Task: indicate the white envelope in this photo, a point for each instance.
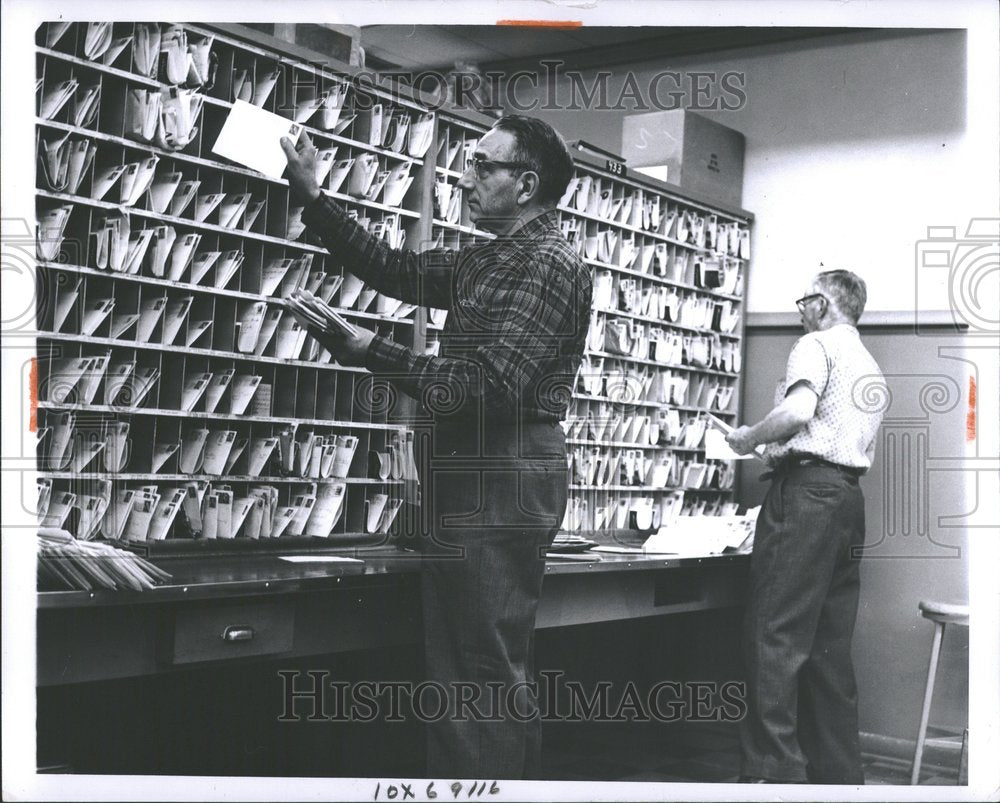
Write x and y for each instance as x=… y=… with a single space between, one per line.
x=136 y=179
x=142 y=113
x=117 y=515
x=362 y=174
x=92 y=509
x=205 y=204
x=192 y=453
x=232 y=209
x=327 y=510
x=243 y=389
x=218 y=445
x=55 y=97
x=331 y=107
x=94 y=314
x=150 y=311
x=251 y=137
x=228 y=264
x=161 y=453
x=346 y=446
x=181 y=255
x=251 y=318
x=421 y=130
x=260 y=452
x=374 y=507
x=195 y=330
x=51 y=230
x=146 y=49
x=325 y=158
x=253 y=212
x=263 y=85
x=185 y=193
x=194 y=389
x=395 y=131
x=162 y=191
x=339 y=172
x=138 y=245
x=54 y=31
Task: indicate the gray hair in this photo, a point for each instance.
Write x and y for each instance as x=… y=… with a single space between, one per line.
x=846 y=291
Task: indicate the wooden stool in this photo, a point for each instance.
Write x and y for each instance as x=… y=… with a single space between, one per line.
x=941 y=613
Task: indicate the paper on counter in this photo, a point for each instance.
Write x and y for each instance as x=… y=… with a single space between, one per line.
x=318 y=559
x=251 y=137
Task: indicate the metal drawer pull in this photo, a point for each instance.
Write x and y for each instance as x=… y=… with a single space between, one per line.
x=238 y=633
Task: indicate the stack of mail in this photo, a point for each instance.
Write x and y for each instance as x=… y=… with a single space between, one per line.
x=312 y=311
x=179 y=112
x=67 y=563
x=189 y=63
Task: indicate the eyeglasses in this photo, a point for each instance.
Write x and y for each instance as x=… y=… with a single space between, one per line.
x=801 y=303
x=477 y=164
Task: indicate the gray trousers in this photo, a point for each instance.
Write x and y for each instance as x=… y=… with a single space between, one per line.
x=498 y=498
x=802 y=722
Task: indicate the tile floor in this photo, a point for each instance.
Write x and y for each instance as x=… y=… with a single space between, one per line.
x=655 y=752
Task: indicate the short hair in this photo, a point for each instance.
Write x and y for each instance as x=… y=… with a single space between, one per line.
x=539 y=146
x=846 y=291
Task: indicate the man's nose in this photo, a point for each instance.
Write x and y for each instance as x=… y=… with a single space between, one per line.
x=466 y=182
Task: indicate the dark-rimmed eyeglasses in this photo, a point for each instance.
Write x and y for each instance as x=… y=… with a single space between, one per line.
x=801 y=303
x=477 y=164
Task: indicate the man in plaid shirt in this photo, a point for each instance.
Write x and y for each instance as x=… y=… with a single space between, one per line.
x=518 y=312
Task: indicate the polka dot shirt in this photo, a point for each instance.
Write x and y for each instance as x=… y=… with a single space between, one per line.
x=839 y=369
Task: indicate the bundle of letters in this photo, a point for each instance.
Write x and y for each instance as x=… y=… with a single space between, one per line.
x=64 y=562
x=312 y=311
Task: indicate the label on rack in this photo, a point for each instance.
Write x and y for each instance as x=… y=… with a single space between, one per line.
x=616 y=168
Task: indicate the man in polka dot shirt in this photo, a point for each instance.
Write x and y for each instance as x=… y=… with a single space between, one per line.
x=802 y=722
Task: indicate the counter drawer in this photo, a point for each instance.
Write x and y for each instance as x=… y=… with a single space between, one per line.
x=232 y=631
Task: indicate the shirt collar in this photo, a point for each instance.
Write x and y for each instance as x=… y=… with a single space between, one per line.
x=533 y=228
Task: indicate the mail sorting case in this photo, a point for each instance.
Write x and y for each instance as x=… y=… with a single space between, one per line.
x=663 y=349
x=178 y=266
x=177 y=395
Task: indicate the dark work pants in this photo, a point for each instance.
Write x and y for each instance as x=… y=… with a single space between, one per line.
x=802 y=723
x=498 y=499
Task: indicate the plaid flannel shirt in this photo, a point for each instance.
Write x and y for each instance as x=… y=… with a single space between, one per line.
x=519 y=310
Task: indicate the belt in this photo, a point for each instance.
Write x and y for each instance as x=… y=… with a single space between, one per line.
x=807 y=460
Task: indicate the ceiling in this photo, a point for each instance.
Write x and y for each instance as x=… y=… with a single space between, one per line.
x=437 y=47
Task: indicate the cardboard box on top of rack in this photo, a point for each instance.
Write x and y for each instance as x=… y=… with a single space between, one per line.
x=687 y=149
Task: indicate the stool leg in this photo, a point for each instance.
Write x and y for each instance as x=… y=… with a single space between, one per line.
x=932 y=667
x=963 y=762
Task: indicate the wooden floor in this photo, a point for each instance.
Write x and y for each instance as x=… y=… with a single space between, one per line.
x=654 y=752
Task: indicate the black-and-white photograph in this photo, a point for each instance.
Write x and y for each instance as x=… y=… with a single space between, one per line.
x=501 y=400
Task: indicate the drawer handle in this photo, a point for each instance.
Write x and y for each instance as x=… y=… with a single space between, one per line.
x=238 y=633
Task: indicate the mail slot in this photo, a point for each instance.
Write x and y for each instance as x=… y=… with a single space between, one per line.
x=232 y=631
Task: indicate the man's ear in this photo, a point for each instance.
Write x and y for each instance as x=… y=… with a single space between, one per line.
x=528 y=186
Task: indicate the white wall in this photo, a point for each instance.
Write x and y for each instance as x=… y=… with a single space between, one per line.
x=855 y=144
